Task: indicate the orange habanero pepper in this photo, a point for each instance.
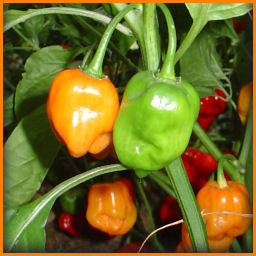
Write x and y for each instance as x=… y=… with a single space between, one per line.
x=111 y=208
x=82 y=111
x=244 y=102
x=232 y=199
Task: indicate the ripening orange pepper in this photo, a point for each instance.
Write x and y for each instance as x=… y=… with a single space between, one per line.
x=233 y=199
x=111 y=208
x=82 y=111
x=244 y=102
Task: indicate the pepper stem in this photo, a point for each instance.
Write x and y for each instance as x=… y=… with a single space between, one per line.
x=168 y=68
x=95 y=66
x=221 y=180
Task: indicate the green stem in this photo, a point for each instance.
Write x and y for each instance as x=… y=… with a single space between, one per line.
x=147 y=205
x=188 y=205
x=247 y=141
x=95 y=66
x=31 y=43
x=195 y=29
x=168 y=68
x=62 y=10
x=163 y=182
x=111 y=44
x=236 y=246
x=231 y=170
x=86 y=57
x=221 y=180
x=151 y=36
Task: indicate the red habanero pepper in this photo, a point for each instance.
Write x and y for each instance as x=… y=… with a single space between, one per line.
x=65 y=46
x=239 y=26
x=210 y=107
x=170 y=210
x=73 y=224
x=199 y=166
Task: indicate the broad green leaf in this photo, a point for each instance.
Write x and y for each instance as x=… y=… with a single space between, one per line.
x=40 y=69
x=8 y=115
x=201 y=65
x=28 y=153
x=219 y=11
x=24 y=226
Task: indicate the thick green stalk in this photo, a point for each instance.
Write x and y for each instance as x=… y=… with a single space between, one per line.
x=147 y=205
x=247 y=142
x=168 y=68
x=231 y=170
x=95 y=66
x=195 y=29
x=246 y=159
x=188 y=205
x=151 y=36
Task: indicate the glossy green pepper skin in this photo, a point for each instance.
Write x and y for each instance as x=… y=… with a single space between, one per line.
x=155 y=121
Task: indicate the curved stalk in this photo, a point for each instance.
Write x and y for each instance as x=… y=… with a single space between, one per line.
x=95 y=66
x=168 y=68
x=60 y=10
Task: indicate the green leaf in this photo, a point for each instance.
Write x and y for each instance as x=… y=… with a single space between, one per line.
x=28 y=154
x=188 y=205
x=40 y=69
x=8 y=115
x=219 y=11
x=34 y=25
x=201 y=65
x=24 y=226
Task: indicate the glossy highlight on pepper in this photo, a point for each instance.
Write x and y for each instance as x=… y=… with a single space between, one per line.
x=82 y=111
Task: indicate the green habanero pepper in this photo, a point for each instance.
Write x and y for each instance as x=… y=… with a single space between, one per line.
x=155 y=121
x=73 y=200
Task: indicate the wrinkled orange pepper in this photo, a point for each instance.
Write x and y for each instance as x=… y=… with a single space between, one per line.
x=82 y=111
x=233 y=199
x=111 y=208
x=109 y=150
x=244 y=102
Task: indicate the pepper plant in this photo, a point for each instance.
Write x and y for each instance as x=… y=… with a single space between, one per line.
x=114 y=91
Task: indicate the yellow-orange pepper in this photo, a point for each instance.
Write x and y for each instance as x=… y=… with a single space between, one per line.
x=226 y=212
x=111 y=208
x=244 y=102
x=82 y=111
